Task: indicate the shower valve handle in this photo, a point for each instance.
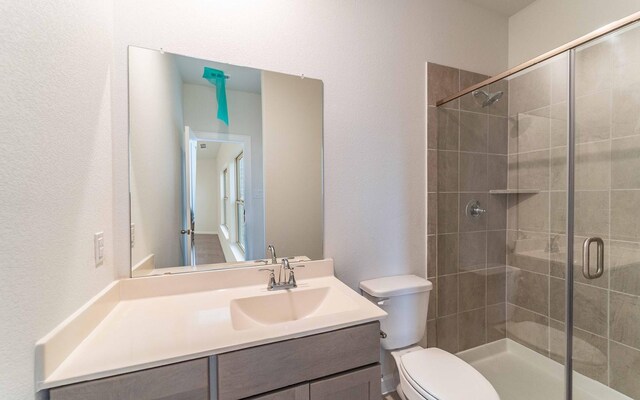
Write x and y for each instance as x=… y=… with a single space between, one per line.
x=474 y=210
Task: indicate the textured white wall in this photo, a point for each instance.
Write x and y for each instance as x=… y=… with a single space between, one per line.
x=371 y=57
x=157 y=134
x=547 y=24
x=55 y=172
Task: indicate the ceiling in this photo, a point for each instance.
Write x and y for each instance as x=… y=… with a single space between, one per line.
x=211 y=150
x=243 y=79
x=504 y=7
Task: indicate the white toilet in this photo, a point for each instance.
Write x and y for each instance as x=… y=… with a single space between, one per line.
x=431 y=374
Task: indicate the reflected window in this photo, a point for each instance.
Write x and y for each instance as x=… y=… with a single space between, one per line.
x=225 y=196
x=240 y=212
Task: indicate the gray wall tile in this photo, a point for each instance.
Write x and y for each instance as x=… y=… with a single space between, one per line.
x=497 y=212
x=432 y=256
x=447 y=171
x=496 y=285
x=473 y=172
x=530 y=90
x=447 y=329
x=625 y=370
x=442 y=81
x=447 y=254
x=473 y=290
x=472 y=327
x=447 y=212
x=625 y=221
x=528 y=290
x=625 y=163
x=497 y=139
x=496 y=322
x=496 y=248
x=474 y=128
x=472 y=251
x=593 y=116
x=447 y=295
x=625 y=319
x=528 y=328
x=625 y=267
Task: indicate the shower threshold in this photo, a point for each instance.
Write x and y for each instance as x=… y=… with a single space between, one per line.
x=519 y=373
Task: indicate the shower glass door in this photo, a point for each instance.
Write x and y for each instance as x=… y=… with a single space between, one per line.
x=534 y=205
x=606 y=228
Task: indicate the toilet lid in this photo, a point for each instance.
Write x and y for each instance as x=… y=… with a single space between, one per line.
x=445 y=377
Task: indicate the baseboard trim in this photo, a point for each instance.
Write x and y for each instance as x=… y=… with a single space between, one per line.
x=389 y=383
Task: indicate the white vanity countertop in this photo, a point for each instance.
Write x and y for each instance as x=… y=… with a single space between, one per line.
x=136 y=323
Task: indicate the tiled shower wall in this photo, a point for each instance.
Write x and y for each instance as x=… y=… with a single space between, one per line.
x=470 y=150
x=607 y=197
x=466 y=157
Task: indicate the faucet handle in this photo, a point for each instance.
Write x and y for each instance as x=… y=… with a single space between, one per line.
x=292 y=277
x=272 y=277
x=270 y=270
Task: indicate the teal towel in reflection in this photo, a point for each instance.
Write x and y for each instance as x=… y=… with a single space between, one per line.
x=217 y=78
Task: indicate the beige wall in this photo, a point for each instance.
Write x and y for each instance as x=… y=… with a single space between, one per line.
x=292 y=113
x=547 y=24
x=155 y=94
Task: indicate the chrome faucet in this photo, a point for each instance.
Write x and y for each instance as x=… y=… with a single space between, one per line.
x=289 y=283
x=271 y=249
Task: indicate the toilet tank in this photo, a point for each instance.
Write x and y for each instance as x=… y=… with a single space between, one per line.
x=406 y=299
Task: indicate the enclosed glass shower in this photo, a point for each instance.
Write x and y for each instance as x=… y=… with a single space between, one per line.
x=520 y=170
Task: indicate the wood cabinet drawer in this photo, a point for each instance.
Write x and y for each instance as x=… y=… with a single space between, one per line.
x=183 y=381
x=261 y=369
x=361 y=384
x=300 y=392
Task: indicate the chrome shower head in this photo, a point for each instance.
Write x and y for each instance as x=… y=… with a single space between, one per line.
x=489 y=98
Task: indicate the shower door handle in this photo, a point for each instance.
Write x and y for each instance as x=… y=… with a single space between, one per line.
x=586 y=249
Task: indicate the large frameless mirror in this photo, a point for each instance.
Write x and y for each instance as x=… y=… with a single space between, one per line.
x=224 y=160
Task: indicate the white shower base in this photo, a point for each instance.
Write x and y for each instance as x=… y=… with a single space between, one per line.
x=519 y=373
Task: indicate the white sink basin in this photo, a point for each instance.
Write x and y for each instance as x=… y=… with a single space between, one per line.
x=287 y=306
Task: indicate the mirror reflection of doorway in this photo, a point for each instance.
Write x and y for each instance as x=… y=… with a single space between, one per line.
x=220 y=185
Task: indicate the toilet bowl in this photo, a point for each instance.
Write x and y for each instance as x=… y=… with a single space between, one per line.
x=434 y=374
x=425 y=374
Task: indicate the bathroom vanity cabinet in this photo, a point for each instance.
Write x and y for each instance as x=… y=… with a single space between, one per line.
x=340 y=364
x=361 y=384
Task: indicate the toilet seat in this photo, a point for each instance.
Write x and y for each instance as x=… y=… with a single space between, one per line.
x=438 y=375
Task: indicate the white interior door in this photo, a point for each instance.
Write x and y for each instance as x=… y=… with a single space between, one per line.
x=188 y=200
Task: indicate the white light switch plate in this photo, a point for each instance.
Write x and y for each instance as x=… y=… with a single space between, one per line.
x=98 y=247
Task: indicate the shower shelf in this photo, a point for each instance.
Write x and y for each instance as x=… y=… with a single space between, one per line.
x=514 y=191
